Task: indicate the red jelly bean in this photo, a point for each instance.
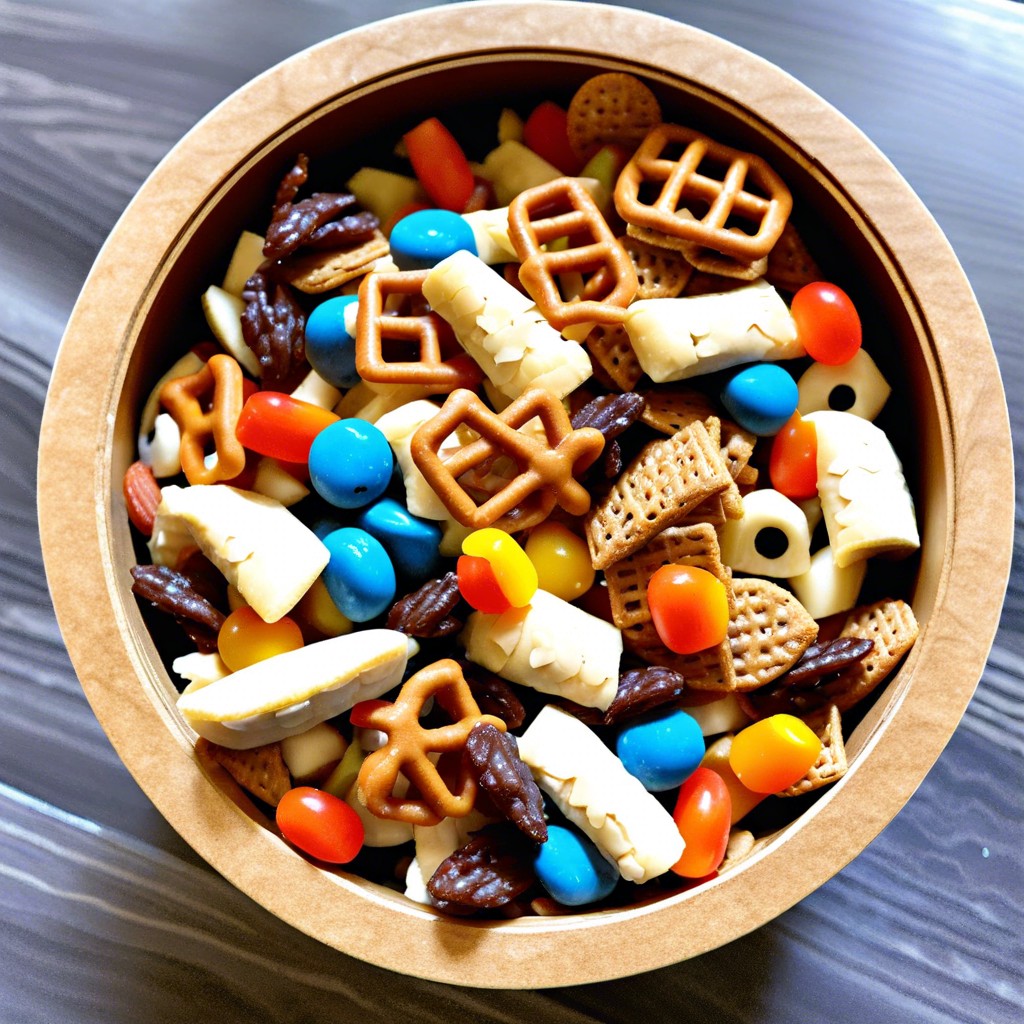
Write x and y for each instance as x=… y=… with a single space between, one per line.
x=320 y=824
x=689 y=608
x=479 y=585
x=793 y=464
x=827 y=323
x=703 y=815
x=281 y=426
x=440 y=165
x=546 y=134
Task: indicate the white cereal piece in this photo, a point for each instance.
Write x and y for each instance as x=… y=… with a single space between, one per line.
x=767 y=509
x=860 y=374
x=825 y=589
x=315 y=390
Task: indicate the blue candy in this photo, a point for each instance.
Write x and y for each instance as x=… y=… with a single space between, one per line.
x=661 y=749
x=424 y=238
x=569 y=866
x=359 y=576
x=350 y=463
x=761 y=398
x=411 y=542
x=330 y=349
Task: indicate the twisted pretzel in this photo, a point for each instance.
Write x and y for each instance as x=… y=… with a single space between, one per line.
x=409 y=745
x=546 y=466
x=559 y=209
x=206 y=406
x=374 y=326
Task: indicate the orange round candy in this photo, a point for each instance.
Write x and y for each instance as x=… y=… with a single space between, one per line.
x=245 y=638
x=773 y=753
x=689 y=608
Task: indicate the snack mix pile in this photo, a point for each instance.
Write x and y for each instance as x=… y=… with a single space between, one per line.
x=490 y=594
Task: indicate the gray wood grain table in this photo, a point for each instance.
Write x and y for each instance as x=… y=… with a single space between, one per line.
x=106 y=915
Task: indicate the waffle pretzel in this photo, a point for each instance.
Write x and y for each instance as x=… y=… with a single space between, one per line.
x=547 y=466
x=694 y=208
x=374 y=327
x=409 y=746
x=563 y=208
x=206 y=406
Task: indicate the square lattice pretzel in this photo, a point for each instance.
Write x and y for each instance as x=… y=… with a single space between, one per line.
x=692 y=207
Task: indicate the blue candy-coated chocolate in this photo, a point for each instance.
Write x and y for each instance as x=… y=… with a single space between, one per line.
x=661 y=749
x=410 y=541
x=761 y=398
x=424 y=238
x=359 y=576
x=572 y=870
x=330 y=349
x=350 y=463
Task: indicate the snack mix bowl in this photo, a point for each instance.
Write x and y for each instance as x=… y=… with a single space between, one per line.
x=355 y=95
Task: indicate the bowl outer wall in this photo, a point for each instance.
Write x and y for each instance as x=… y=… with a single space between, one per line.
x=92 y=597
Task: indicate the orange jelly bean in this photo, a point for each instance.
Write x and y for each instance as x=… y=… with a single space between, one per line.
x=280 y=426
x=703 y=815
x=513 y=570
x=793 y=464
x=245 y=638
x=773 y=753
x=689 y=608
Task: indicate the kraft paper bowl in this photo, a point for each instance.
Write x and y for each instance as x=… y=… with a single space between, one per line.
x=175 y=238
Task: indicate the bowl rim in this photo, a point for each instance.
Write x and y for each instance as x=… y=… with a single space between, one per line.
x=74 y=485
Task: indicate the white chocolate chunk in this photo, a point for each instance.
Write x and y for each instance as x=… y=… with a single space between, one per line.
x=245 y=261
x=762 y=510
x=825 y=589
x=200 y=669
x=315 y=390
x=502 y=329
x=718 y=716
x=378 y=832
x=684 y=337
x=273 y=481
x=364 y=402
x=398 y=426
x=308 y=754
x=512 y=168
x=864 y=495
x=291 y=692
x=188 y=364
x=595 y=792
x=163 y=452
x=490 y=232
x=224 y=317
x=258 y=545
x=551 y=646
x=170 y=537
x=870 y=389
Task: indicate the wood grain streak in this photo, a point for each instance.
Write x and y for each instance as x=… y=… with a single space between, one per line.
x=105 y=914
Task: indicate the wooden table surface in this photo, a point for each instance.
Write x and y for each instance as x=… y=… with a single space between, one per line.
x=107 y=916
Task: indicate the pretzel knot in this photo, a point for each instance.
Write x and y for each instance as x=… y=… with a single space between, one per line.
x=409 y=745
x=702 y=197
x=564 y=209
x=546 y=467
x=374 y=327
x=206 y=406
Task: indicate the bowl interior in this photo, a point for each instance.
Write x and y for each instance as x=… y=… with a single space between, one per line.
x=342 y=129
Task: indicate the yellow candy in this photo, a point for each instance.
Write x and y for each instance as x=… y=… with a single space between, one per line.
x=774 y=753
x=245 y=638
x=716 y=757
x=561 y=559
x=512 y=569
x=317 y=610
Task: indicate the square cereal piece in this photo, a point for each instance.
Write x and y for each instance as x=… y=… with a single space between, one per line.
x=317 y=272
x=662 y=273
x=611 y=350
x=790 y=265
x=768 y=632
x=663 y=483
x=258 y=770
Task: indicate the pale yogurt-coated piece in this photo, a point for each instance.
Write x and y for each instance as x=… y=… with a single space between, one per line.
x=767 y=509
x=595 y=792
x=551 y=646
x=256 y=543
x=825 y=589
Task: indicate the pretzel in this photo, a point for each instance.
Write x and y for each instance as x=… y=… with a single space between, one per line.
x=373 y=327
x=563 y=208
x=694 y=209
x=409 y=746
x=206 y=406
x=546 y=466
